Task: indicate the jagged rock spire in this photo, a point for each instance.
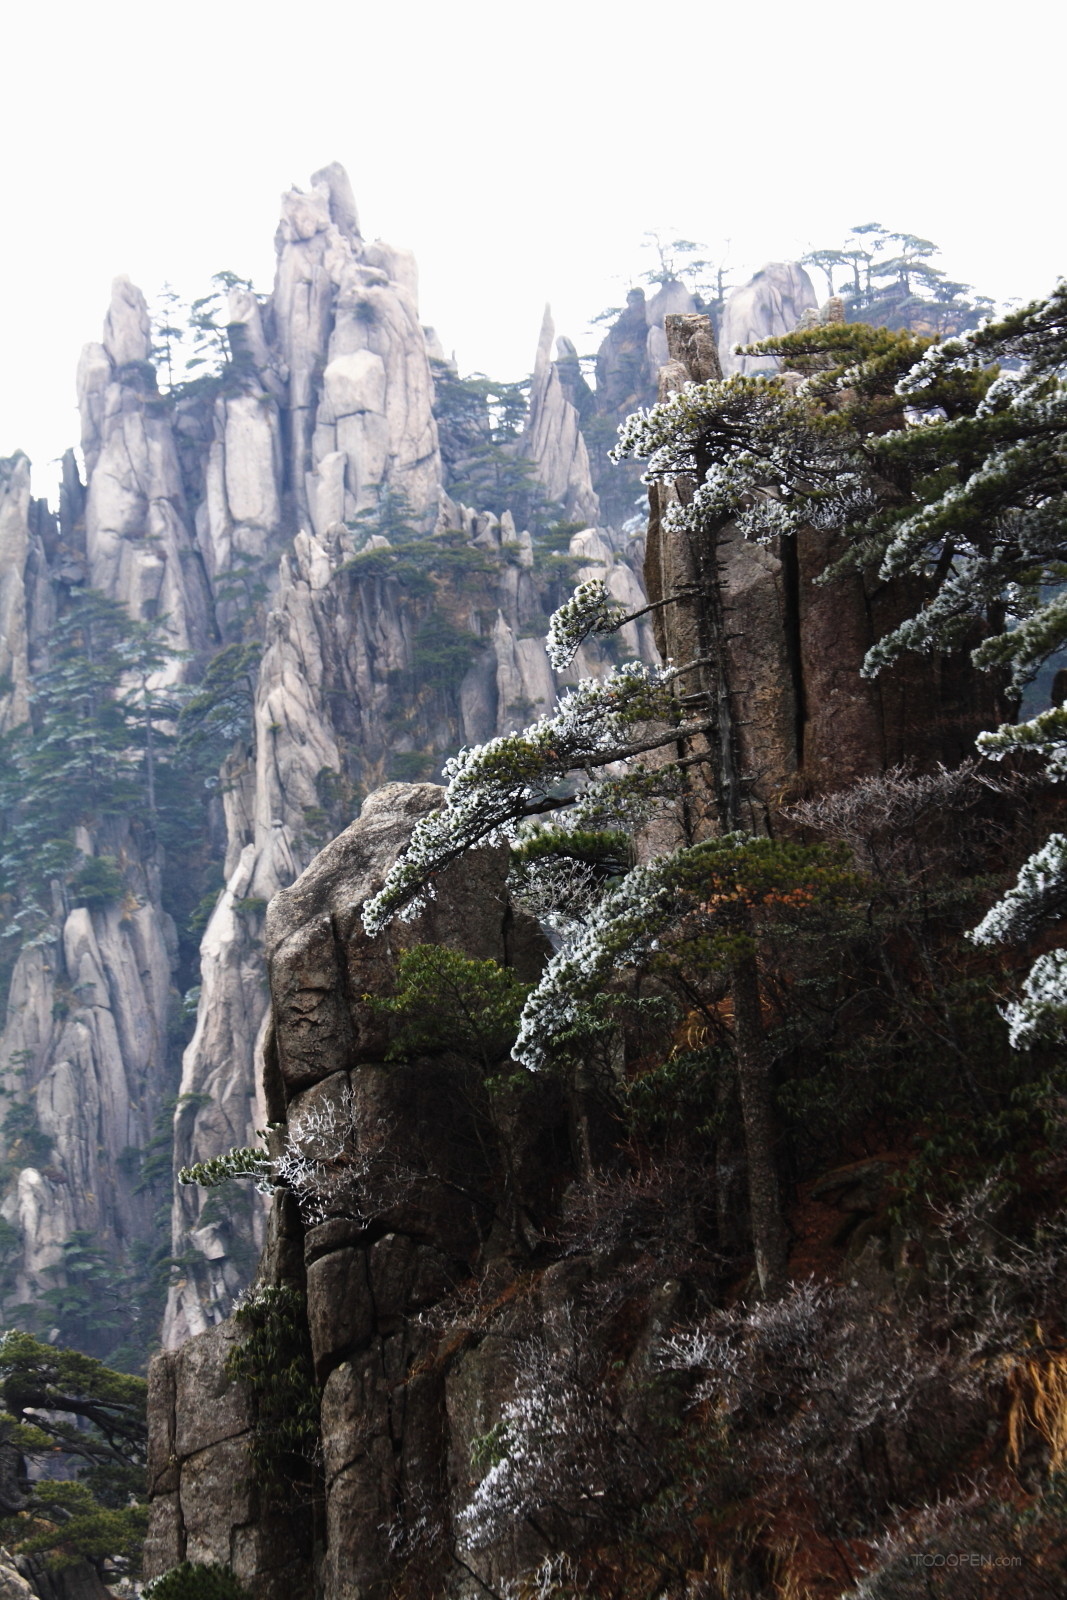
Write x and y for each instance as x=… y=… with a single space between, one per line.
x=553 y=438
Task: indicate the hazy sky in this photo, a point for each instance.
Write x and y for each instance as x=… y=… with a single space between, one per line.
x=522 y=151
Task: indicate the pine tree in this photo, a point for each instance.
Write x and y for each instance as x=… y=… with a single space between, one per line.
x=91 y=748
x=929 y=460
x=890 y=280
x=62 y=1402
x=480 y=424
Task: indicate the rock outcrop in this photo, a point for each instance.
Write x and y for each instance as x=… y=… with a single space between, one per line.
x=14 y=563
x=265 y=503
x=327 y=728
x=773 y=302
x=83 y=1053
x=787 y=668
x=449 y=1297
x=423 y=1202
x=139 y=539
x=13 y=1586
x=553 y=439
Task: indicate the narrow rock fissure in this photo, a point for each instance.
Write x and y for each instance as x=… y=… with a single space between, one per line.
x=789 y=558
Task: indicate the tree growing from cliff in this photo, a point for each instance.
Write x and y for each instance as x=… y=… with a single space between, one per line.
x=991 y=531
x=66 y=1405
x=219 y=711
x=889 y=280
x=923 y=463
x=494 y=788
x=169 y=324
x=448 y=1001
x=92 y=746
x=930 y=462
x=192 y=341
x=682 y=261
x=480 y=423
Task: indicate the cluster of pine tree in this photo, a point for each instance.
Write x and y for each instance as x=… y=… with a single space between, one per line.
x=859 y=1016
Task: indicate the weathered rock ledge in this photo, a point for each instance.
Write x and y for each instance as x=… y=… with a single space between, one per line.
x=439 y=1205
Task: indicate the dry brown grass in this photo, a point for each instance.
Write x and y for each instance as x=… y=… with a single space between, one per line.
x=1037 y=1389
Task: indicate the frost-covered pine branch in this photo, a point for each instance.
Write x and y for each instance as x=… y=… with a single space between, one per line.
x=560 y=893
x=704 y=891
x=767 y=459
x=336 y=1162
x=492 y=787
x=590 y=609
x=237 y=1162
x=622 y=926
x=329 y=1158
x=1044 y=735
x=1038 y=896
x=994 y=539
x=1041 y=1011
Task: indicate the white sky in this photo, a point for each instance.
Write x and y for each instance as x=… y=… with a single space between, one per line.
x=522 y=151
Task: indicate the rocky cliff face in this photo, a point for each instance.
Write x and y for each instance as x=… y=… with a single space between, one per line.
x=773 y=302
x=85 y=1044
x=553 y=438
x=437 y=1183
x=294 y=500
x=787 y=650
x=470 y=1313
x=633 y=352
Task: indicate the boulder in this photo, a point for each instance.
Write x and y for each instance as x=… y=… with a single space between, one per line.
x=772 y=302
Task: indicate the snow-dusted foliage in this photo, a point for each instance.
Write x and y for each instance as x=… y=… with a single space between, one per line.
x=1039 y=895
x=756 y=442
x=946 y=622
x=998 y=536
x=534 y=1438
x=1044 y=735
x=973 y=501
x=629 y=801
x=563 y=890
x=702 y=897
x=1030 y=644
x=590 y=609
x=818 y=1384
x=336 y=1163
x=562 y=1454
x=561 y=893
x=557 y=1577
x=332 y=1160
x=995 y=532
x=1041 y=1012
x=622 y=927
x=492 y=787
x=912 y=831
x=237 y=1162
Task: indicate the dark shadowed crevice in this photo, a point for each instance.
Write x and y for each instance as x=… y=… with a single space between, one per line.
x=794 y=655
